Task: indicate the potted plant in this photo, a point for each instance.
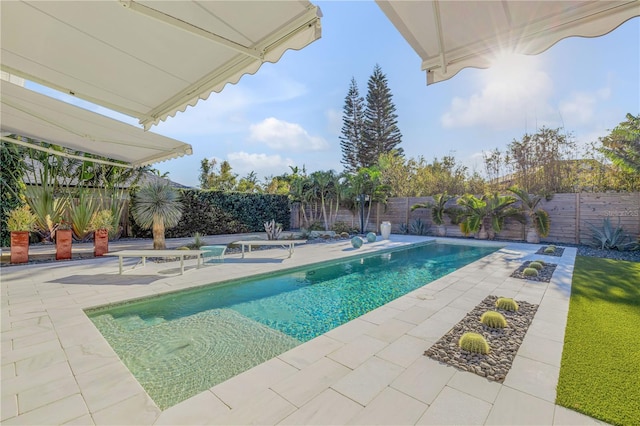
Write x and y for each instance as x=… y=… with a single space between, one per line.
x=537 y=221
x=438 y=210
x=64 y=236
x=20 y=222
x=101 y=223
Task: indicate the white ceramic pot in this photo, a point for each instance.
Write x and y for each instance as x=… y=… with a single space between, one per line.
x=385 y=230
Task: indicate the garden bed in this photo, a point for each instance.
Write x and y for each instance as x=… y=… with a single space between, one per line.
x=503 y=343
x=544 y=275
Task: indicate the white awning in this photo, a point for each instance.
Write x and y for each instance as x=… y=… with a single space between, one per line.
x=452 y=35
x=40 y=117
x=149 y=59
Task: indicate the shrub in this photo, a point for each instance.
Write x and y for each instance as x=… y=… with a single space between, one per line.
x=340 y=227
x=493 y=319
x=507 y=304
x=344 y=235
x=536 y=265
x=608 y=237
x=21 y=219
x=474 y=342
x=530 y=272
x=102 y=219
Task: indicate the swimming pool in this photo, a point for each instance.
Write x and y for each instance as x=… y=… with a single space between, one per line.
x=180 y=344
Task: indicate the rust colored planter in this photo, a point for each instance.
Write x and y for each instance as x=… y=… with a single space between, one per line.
x=63 y=244
x=19 y=246
x=100 y=242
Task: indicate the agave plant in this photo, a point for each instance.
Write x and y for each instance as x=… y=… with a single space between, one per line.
x=537 y=219
x=81 y=211
x=155 y=207
x=609 y=237
x=49 y=210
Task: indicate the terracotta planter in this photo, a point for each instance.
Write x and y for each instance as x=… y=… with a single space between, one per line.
x=100 y=242
x=19 y=246
x=63 y=244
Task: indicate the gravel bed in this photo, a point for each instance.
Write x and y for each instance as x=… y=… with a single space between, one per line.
x=503 y=343
x=557 y=253
x=544 y=275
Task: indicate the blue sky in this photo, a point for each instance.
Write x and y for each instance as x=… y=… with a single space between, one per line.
x=290 y=113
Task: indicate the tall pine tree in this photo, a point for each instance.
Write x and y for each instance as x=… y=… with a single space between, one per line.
x=380 y=132
x=352 y=127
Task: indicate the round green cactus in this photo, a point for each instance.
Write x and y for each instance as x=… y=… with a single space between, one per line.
x=507 y=304
x=493 y=319
x=536 y=265
x=550 y=249
x=530 y=272
x=474 y=342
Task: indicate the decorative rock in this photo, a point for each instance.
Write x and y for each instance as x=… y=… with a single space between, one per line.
x=356 y=242
x=371 y=237
x=504 y=343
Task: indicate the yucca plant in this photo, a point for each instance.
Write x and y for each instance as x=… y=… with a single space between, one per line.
x=537 y=218
x=81 y=210
x=156 y=206
x=48 y=209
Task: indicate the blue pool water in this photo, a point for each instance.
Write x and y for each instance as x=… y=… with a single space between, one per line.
x=183 y=343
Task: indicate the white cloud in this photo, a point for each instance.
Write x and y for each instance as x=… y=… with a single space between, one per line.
x=282 y=135
x=513 y=91
x=581 y=107
x=334 y=121
x=263 y=164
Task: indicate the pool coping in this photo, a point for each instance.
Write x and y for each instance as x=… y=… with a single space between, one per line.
x=57 y=368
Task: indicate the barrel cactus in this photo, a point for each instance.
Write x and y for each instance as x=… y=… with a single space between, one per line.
x=530 y=272
x=493 y=319
x=474 y=342
x=507 y=304
x=550 y=249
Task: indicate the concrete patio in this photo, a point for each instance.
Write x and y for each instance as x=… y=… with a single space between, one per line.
x=58 y=369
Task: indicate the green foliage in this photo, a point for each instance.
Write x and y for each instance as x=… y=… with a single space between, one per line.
x=418 y=227
x=474 y=342
x=487 y=213
x=217 y=180
x=80 y=211
x=21 y=219
x=608 y=237
x=438 y=208
x=507 y=304
x=352 y=129
x=101 y=219
x=600 y=359
x=493 y=319
x=12 y=187
x=48 y=208
x=157 y=206
x=530 y=272
x=622 y=146
x=197 y=241
x=536 y=265
x=340 y=227
x=537 y=217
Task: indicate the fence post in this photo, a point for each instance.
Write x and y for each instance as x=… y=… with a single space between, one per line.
x=577 y=218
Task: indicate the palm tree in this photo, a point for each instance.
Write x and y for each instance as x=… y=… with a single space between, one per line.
x=156 y=206
x=486 y=215
x=538 y=222
x=438 y=210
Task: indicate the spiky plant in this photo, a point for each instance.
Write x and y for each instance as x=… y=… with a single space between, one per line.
x=474 y=342
x=157 y=206
x=530 y=272
x=538 y=218
x=493 y=319
x=507 y=304
x=550 y=249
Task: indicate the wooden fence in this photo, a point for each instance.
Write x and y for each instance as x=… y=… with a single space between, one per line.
x=570 y=214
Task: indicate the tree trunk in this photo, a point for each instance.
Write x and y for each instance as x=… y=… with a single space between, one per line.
x=158 y=234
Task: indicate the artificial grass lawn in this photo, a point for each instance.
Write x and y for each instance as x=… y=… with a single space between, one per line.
x=600 y=370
